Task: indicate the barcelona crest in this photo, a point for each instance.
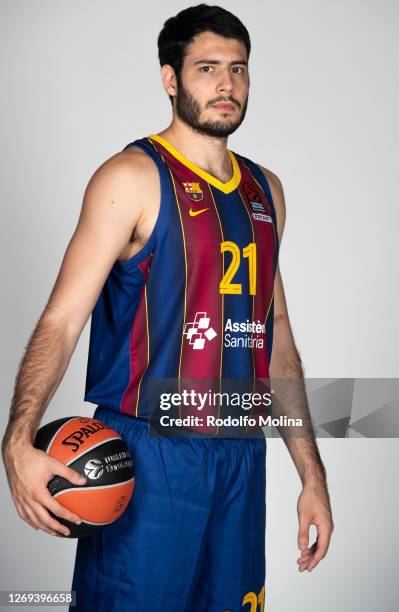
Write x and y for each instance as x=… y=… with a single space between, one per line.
x=193 y=190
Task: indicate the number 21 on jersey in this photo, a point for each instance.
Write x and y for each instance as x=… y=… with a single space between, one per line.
x=249 y=252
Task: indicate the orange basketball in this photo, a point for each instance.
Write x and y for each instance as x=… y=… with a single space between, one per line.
x=99 y=453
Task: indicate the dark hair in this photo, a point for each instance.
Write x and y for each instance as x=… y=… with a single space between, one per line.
x=179 y=31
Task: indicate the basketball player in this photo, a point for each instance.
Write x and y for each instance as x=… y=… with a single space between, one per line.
x=177 y=236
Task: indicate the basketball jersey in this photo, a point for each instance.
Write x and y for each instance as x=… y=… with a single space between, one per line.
x=197 y=300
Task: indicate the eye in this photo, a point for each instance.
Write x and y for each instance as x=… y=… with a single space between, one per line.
x=203 y=67
x=238 y=68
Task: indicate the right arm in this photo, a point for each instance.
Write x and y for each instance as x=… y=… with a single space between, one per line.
x=290 y=399
x=110 y=212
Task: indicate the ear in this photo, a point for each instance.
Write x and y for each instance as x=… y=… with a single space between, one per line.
x=169 y=79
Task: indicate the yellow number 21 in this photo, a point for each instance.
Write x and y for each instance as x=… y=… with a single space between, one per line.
x=254 y=600
x=226 y=286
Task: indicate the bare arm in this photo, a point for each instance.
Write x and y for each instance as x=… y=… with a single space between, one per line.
x=286 y=374
x=111 y=210
x=106 y=223
x=286 y=365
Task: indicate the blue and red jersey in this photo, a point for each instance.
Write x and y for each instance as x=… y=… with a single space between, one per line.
x=197 y=300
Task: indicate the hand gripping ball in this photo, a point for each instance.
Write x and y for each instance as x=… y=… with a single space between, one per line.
x=97 y=451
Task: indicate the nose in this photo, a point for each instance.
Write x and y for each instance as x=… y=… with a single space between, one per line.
x=226 y=82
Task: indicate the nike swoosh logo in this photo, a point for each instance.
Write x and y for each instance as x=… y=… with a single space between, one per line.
x=194 y=213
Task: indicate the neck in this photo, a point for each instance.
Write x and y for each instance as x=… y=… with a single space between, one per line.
x=206 y=152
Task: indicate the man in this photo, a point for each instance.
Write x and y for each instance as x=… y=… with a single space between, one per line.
x=178 y=236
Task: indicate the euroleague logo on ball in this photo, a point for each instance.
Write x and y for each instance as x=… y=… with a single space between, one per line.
x=94 y=469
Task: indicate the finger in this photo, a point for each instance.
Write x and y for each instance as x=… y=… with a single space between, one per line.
x=304 y=557
x=52 y=504
x=25 y=516
x=36 y=523
x=31 y=519
x=303 y=532
x=46 y=522
x=323 y=538
x=304 y=567
x=304 y=560
x=304 y=563
x=59 y=469
x=309 y=551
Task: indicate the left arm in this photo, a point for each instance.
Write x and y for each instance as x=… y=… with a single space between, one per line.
x=313 y=504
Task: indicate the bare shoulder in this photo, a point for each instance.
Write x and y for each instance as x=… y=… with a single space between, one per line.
x=277 y=191
x=134 y=157
x=124 y=187
x=130 y=167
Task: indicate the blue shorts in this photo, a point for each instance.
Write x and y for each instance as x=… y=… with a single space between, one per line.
x=193 y=535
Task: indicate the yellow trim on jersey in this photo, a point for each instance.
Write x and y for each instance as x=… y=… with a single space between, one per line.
x=274 y=233
x=222 y=311
x=225 y=187
x=185 y=284
x=253 y=311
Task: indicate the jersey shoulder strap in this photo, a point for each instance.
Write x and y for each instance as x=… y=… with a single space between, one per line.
x=166 y=195
x=261 y=179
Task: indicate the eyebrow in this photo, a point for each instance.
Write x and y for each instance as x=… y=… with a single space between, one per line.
x=209 y=61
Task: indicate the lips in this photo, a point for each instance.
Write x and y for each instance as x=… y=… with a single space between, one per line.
x=224 y=106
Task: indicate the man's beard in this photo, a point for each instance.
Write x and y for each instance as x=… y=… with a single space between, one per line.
x=189 y=111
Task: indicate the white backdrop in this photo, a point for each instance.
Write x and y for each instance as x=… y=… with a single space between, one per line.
x=79 y=80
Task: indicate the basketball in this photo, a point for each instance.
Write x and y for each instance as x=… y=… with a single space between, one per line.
x=99 y=453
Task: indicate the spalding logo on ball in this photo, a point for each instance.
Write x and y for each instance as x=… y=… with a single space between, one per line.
x=97 y=451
